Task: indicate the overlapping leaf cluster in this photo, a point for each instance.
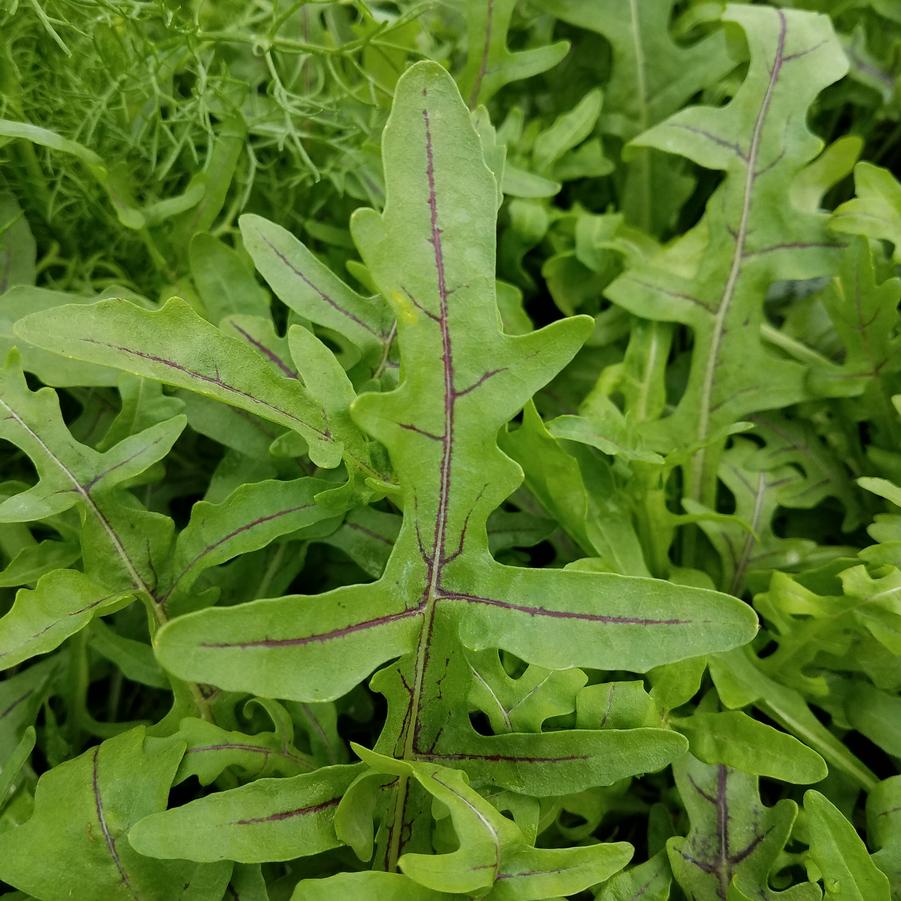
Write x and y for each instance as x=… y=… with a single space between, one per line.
x=498 y=542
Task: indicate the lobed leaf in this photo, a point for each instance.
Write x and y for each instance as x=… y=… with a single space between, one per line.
x=83 y=811
x=269 y=819
x=750 y=236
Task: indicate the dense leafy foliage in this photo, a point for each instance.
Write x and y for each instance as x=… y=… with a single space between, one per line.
x=450 y=450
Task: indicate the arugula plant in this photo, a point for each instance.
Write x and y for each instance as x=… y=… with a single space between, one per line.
x=335 y=577
x=441 y=591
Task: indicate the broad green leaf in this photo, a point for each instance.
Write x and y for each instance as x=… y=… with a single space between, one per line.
x=489 y=64
x=742 y=743
x=865 y=315
x=432 y=255
x=824 y=627
x=248 y=519
x=123 y=545
x=134 y=658
x=70 y=473
x=607 y=430
x=649 y=881
x=50 y=368
x=527 y=185
x=83 y=811
x=21 y=697
x=142 y=404
x=567 y=132
x=248 y=883
x=367 y=536
x=677 y=683
x=882 y=487
x=32 y=562
x=747 y=544
x=62 y=603
x=796 y=442
x=309 y=288
x=370 y=884
x=591 y=514
x=876 y=210
x=269 y=819
x=733 y=835
x=841 y=857
x=324 y=376
x=740 y=682
x=830 y=167
x=212 y=749
x=228 y=143
x=616 y=705
x=750 y=236
x=175 y=346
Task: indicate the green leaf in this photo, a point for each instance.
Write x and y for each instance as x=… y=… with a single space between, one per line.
x=62 y=603
x=212 y=749
x=865 y=316
x=567 y=131
x=841 y=857
x=616 y=705
x=71 y=473
x=520 y=704
x=747 y=543
x=563 y=483
x=876 y=714
x=649 y=881
x=12 y=765
x=83 y=811
x=269 y=819
x=489 y=64
x=134 y=658
x=21 y=697
x=732 y=836
x=251 y=517
x=370 y=884
x=740 y=682
x=749 y=236
x=175 y=346
x=742 y=743
x=492 y=851
x=307 y=286
x=876 y=210
x=50 y=368
x=432 y=255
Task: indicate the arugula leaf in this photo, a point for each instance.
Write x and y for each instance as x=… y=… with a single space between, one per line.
x=733 y=839
x=876 y=210
x=748 y=237
x=269 y=819
x=840 y=855
x=84 y=809
x=489 y=64
x=440 y=579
